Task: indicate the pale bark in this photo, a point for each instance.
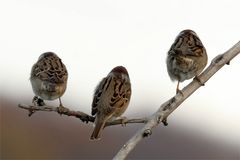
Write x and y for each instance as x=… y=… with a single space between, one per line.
x=168 y=107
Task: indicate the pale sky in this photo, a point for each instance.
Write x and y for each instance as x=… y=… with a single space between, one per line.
x=92 y=37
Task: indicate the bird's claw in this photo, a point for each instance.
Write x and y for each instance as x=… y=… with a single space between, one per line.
x=62 y=110
x=164 y=121
x=178 y=91
x=123 y=121
x=38 y=101
x=196 y=78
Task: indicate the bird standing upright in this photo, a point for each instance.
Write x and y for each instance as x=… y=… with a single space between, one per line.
x=48 y=78
x=111 y=98
x=186 y=58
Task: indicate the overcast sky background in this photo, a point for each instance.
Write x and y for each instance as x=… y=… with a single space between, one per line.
x=92 y=37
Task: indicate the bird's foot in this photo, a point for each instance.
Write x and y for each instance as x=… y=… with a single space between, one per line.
x=38 y=101
x=123 y=121
x=164 y=121
x=196 y=78
x=178 y=91
x=61 y=110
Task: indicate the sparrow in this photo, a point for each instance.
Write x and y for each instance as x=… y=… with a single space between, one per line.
x=186 y=58
x=48 y=78
x=111 y=98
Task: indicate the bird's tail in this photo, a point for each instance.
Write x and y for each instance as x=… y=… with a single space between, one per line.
x=99 y=125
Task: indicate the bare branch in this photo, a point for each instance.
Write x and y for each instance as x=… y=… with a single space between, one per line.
x=125 y=121
x=168 y=107
x=78 y=114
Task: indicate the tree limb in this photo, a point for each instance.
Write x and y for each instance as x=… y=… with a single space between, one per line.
x=78 y=114
x=168 y=107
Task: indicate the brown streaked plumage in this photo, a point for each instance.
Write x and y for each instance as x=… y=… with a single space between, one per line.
x=48 y=78
x=111 y=98
x=186 y=58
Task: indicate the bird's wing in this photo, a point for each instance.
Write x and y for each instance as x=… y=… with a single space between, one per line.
x=97 y=94
x=121 y=94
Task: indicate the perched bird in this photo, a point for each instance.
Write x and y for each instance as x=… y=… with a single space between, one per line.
x=48 y=78
x=186 y=58
x=111 y=98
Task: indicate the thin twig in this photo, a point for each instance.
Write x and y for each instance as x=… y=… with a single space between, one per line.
x=78 y=114
x=168 y=107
